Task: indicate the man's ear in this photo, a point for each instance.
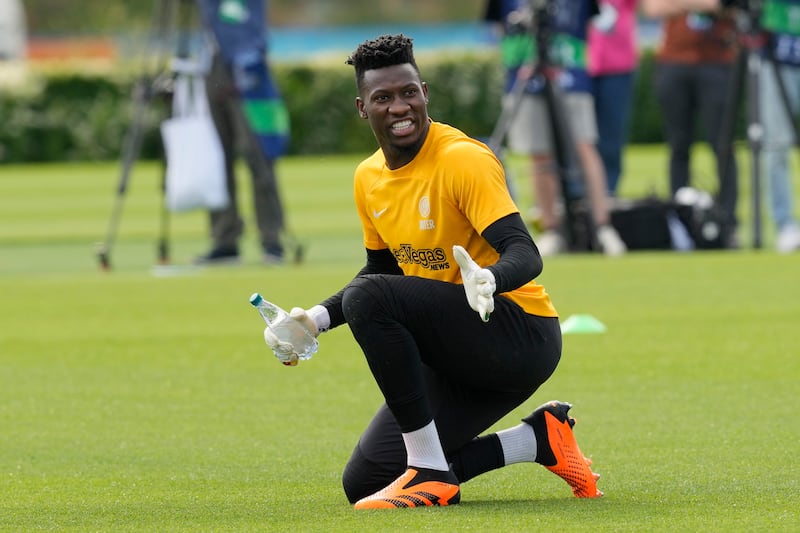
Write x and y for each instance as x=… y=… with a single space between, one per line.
x=360 y=107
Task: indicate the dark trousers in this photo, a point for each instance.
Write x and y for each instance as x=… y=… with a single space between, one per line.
x=227 y=225
x=612 y=101
x=434 y=359
x=687 y=93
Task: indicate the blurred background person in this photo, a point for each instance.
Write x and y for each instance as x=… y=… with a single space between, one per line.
x=246 y=108
x=781 y=21
x=13 y=30
x=694 y=69
x=612 y=62
x=529 y=133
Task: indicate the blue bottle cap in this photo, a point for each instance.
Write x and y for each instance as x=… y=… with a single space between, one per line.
x=256 y=299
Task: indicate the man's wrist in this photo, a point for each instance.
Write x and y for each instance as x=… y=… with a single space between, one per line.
x=319 y=314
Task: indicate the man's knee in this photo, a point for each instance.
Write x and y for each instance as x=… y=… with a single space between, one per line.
x=360 y=298
x=362 y=477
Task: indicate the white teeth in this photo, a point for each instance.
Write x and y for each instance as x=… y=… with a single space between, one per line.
x=402 y=124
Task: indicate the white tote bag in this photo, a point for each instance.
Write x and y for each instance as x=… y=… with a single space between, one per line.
x=195 y=160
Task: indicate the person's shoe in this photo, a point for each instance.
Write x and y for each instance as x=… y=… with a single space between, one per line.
x=730 y=239
x=550 y=242
x=417 y=487
x=558 y=451
x=610 y=241
x=788 y=239
x=221 y=255
x=273 y=254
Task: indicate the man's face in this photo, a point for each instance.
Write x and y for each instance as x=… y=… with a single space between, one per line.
x=394 y=100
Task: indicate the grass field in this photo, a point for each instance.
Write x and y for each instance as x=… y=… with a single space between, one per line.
x=144 y=399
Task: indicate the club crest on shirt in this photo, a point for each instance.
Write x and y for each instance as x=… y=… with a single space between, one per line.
x=425 y=222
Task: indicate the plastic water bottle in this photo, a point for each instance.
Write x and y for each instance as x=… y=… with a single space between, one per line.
x=286 y=328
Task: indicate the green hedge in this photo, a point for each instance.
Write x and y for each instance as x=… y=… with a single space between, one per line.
x=79 y=116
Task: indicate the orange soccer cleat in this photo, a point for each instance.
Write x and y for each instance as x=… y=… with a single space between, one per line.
x=417 y=487
x=562 y=456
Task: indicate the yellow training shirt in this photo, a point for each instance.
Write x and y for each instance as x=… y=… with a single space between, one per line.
x=448 y=194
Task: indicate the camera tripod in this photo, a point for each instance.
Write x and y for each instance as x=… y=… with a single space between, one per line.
x=747 y=73
x=165 y=54
x=578 y=222
x=167 y=31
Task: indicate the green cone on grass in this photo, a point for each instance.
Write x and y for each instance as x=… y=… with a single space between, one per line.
x=582 y=324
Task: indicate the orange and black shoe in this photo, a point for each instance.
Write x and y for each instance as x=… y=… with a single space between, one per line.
x=417 y=487
x=558 y=451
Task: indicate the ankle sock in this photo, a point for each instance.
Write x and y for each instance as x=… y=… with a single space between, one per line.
x=519 y=444
x=424 y=448
x=544 y=455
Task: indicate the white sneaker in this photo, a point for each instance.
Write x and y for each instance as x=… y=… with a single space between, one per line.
x=610 y=241
x=550 y=242
x=788 y=238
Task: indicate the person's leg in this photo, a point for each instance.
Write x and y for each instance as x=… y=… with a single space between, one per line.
x=266 y=196
x=612 y=95
x=581 y=113
x=550 y=207
x=580 y=109
x=530 y=134
x=778 y=141
x=545 y=437
x=406 y=325
x=712 y=89
x=547 y=190
x=677 y=109
x=225 y=224
x=778 y=138
x=459 y=413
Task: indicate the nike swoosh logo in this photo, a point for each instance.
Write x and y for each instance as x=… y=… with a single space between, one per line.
x=377 y=214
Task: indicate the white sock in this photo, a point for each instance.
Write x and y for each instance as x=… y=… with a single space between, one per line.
x=424 y=448
x=518 y=443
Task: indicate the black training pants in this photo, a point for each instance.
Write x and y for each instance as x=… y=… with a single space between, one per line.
x=433 y=358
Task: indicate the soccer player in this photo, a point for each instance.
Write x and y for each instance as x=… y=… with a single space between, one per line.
x=453 y=346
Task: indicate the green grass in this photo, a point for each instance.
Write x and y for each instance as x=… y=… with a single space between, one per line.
x=144 y=399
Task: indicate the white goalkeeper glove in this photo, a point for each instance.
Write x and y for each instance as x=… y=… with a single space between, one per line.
x=285 y=351
x=479 y=283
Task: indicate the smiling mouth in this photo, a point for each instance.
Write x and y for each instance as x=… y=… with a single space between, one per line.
x=403 y=124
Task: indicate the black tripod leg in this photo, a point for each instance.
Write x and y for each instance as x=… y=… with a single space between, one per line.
x=755 y=136
x=130 y=153
x=724 y=148
x=161 y=29
x=728 y=123
x=580 y=231
x=510 y=107
x=163 y=238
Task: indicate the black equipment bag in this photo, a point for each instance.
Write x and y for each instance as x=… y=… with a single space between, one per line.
x=655 y=224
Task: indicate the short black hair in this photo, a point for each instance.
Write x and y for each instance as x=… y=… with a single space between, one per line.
x=385 y=51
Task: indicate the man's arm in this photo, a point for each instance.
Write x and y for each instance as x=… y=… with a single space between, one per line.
x=667 y=8
x=378 y=262
x=519 y=260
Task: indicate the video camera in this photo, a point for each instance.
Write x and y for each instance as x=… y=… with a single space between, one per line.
x=534 y=18
x=753 y=8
